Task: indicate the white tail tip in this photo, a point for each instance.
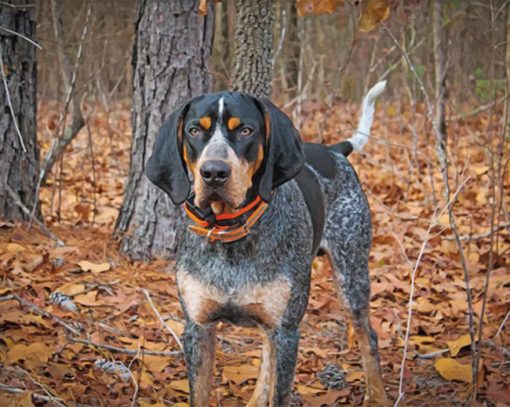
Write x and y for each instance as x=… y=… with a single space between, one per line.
x=360 y=137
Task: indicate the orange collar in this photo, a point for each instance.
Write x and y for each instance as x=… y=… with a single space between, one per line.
x=214 y=227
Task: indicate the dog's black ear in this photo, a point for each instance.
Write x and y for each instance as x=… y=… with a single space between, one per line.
x=165 y=167
x=284 y=157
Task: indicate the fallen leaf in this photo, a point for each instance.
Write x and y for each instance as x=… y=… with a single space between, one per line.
x=353 y=376
x=15 y=248
x=94 y=267
x=180 y=385
x=450 y=369
x=34 y=355
x=303 y=389
x=456 y=345
x=155 y=364
x=239 y=374
x=87 y=299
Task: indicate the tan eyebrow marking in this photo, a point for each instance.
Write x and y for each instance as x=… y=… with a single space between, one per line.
x=205 y=122
x=233 y=123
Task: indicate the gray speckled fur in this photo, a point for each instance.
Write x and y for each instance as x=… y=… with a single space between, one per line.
x=280 y=245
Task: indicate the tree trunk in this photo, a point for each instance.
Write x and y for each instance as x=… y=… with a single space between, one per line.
x=170 y=63
x=19 y=155
x=507 y=71
x=293 y=52
x=253 y=66
x=439 y=67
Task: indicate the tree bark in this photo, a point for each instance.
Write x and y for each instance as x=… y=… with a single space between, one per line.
x=293 y=52
x=253 y=66
x=439 y=67
x=507 y=71
x=19 y=155
x=170 y=63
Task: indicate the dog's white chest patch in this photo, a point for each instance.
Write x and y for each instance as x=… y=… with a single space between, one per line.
x=265 y=303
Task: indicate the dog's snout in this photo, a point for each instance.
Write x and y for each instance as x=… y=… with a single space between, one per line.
x=215 y=173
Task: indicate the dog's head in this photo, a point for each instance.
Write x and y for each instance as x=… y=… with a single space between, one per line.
x=233 y=145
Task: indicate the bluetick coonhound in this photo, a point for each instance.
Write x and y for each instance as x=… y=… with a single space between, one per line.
x=261 y=205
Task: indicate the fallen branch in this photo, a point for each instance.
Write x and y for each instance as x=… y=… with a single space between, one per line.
x=432 y=355
x=44 y=388
x=40 y=311
x=502 y=324
x=147 y=295
x=488 y=233
x=35 y=44
x=124 y=350
x=30 y=213
x=17 y=390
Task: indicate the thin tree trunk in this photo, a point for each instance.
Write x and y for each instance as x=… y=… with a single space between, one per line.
x=439 y=68
x=507 y=66
x=19 y=155
x=253 y=65
x=170 y=62
x=293 y=53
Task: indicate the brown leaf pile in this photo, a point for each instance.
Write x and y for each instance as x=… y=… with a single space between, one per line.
x=88 y=335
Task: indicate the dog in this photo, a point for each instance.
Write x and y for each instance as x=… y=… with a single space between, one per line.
x=261 y=205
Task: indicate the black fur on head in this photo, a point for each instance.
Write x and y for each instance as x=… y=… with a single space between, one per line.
x=284 y=156
x=283 y=150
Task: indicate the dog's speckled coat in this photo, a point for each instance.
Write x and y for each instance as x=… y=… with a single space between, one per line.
x=263 y=279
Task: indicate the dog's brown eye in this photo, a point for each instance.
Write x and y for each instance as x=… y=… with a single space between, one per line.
x=193 y=131
x=246 y=131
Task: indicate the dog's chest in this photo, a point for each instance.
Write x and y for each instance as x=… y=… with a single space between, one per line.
x=252 y=304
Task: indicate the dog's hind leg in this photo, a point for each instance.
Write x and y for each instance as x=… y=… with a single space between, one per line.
x=353 y=285
x=199 y=347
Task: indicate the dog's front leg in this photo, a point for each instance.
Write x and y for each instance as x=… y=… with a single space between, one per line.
x=199 y=346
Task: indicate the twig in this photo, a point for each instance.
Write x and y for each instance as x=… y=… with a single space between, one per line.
x=35 y=44
x=480 y=109
x=441 y=149
x=481 y=235
x=53 y=398
x=147 y=295
x=15 y=6
x=135 y=382
x=64 y=138
x=17 y=390
x=30 y=213
x=39 y=311
x=283 y=23
x=496 y=173
x=9 y=102
x=432 y=355
x=123 y=350
x=94 y=185
x=410 y=304
x=503 y=324
x=432 y=223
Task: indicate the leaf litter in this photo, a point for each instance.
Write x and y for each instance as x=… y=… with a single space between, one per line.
x=102 y=329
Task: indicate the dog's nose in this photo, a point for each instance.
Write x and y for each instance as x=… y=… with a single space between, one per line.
x=215 y=173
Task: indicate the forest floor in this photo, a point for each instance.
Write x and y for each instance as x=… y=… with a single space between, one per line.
x=52 y=347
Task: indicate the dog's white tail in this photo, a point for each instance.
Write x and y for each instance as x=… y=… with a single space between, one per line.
x=360 y=137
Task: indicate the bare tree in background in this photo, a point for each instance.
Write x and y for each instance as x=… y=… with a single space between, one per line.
x=293 y=53
x=170 y=62
x=19 y=155
x=253 y=64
